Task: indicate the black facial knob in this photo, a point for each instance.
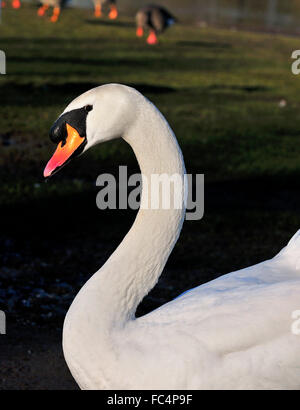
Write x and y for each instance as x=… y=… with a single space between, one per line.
x=58 y=131
x=75 y=118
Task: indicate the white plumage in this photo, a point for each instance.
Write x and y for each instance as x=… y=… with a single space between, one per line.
x=231 y=333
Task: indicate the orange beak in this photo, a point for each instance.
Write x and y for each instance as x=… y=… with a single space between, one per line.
x=64 y=151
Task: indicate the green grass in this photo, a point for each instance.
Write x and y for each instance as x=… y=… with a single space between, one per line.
x=220 y=91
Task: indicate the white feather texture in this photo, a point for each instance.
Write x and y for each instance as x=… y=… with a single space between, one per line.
x=231 y=333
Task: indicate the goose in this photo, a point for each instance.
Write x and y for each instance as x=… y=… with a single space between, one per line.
x=57 y=6
x=234 y=332
x=98 y=4
x=154 y=18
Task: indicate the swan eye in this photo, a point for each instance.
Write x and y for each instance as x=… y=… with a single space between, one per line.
x=88 y=108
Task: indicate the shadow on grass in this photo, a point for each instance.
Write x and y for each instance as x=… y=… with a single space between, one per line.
x=52 y=41
x=110 y=23
x=99 y=62
x=246 y=88
x=47 y=94
x=67 y=237
x=203 y=44
x=52 y=244
x=268 y=193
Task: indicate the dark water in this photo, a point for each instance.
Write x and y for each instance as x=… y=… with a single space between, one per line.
x=273 y=15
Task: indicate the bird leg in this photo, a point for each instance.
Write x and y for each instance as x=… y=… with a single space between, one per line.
x=152 y=38
x=42 y=10
x=113 y=14
x=16 y=4
x=98 y=11
x=56 y=13
x=139 y=31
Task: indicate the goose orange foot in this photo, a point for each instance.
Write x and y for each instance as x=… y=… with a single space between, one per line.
x=113 y=14
x=97 y=12
x=152 y=39
x=42 y=10
x=16 y=4
x=139 y=31
x=54 y=17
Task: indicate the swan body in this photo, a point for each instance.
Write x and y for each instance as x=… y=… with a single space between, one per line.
x=231 y=333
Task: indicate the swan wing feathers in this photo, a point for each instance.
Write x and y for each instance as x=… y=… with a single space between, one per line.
x=291 y=253
x=243 y=310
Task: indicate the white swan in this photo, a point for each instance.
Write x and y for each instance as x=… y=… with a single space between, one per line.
x=234 y=332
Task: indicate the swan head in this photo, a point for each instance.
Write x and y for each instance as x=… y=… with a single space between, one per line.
x=101 y=114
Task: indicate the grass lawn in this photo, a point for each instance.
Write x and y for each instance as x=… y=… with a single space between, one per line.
x=220 y=91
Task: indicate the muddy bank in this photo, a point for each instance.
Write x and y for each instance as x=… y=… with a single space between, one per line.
x=31 y=358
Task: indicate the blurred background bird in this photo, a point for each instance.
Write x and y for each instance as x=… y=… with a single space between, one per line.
x=98 y=6
x=155 y=19
x=57 y=6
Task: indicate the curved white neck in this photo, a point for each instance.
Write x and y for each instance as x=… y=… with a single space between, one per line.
x=110 y=298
